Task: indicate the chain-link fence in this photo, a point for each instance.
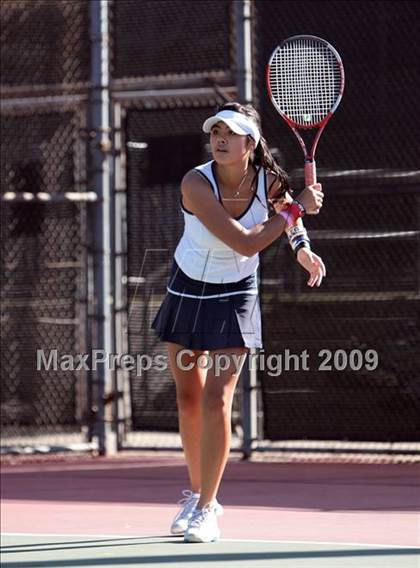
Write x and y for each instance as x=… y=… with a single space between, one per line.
x=44 y=291
x=45 y=66
x=368 y=235
x=45 y=47
x=172 y=63
x=375 y=126
x=152 y=136
x=177 y=39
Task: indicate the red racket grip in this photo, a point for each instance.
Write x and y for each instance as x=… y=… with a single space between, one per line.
x=310 y=172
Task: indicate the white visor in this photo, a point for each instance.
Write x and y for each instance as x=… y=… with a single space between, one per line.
x=237 y=122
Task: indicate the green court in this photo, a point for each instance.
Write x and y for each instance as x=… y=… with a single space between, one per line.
x=56 y=551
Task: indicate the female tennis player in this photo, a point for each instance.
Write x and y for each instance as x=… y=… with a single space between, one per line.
x=210 y=316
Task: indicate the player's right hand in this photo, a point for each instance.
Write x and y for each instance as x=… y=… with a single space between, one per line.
x=311 y=198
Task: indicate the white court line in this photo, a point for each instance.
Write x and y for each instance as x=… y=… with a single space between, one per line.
x=121 y=537
x=328 y=543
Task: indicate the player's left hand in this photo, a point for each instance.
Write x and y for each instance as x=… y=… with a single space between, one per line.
x=313 y=264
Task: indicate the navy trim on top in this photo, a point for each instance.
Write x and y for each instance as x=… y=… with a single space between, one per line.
x=219 y=194
x=183 y=207
x=211 y=186
x=253 y=197
x=205 y=177
x=265 y=187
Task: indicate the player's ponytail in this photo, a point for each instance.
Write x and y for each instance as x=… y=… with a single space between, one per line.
x=263 y=157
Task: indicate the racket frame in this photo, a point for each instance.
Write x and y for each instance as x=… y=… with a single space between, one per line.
x=310 y=165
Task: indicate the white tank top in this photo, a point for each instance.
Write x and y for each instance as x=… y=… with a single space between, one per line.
x=202 y=256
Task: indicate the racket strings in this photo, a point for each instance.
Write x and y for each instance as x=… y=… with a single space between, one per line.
x=305 y=80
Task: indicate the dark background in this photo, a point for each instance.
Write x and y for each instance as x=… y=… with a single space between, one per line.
x=172 y=63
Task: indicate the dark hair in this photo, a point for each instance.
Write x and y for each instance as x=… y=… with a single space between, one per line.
x=262 y=155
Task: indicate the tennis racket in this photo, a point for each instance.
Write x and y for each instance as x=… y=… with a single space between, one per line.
x=305 y=81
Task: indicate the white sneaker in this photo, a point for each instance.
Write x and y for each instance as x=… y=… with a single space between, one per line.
x=189 y=503
x=203 y=526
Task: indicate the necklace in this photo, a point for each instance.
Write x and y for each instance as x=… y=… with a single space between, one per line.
x=241 y=184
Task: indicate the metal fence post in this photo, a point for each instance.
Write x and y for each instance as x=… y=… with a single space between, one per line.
x=103 y=231
x=243 y=25
x=243 y=32
x=122 y=379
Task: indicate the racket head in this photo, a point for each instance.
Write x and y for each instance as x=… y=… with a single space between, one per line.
x=305 y=80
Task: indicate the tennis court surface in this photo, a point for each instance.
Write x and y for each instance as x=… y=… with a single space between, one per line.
x=98 y=512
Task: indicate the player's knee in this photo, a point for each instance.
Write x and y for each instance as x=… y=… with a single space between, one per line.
x=189 y=404
x=216 y=401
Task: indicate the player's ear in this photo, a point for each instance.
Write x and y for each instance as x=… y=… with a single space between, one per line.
x=251 y=143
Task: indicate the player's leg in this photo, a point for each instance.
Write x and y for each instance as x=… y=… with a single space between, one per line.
x=216 y=418
x=215 y=441
x=189 y=393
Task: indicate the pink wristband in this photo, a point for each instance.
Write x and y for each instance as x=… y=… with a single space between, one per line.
x=292 y=212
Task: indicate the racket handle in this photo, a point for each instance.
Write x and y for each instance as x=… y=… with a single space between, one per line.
x=310 y=172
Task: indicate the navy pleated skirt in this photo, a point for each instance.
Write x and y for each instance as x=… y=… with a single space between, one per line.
x=206 y=316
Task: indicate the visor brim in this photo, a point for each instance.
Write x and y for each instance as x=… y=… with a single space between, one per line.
x=210 y=122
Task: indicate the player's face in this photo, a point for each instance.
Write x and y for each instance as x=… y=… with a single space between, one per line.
x=228 y=147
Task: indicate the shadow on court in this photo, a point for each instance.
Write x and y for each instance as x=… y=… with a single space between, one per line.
x=175 y=552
